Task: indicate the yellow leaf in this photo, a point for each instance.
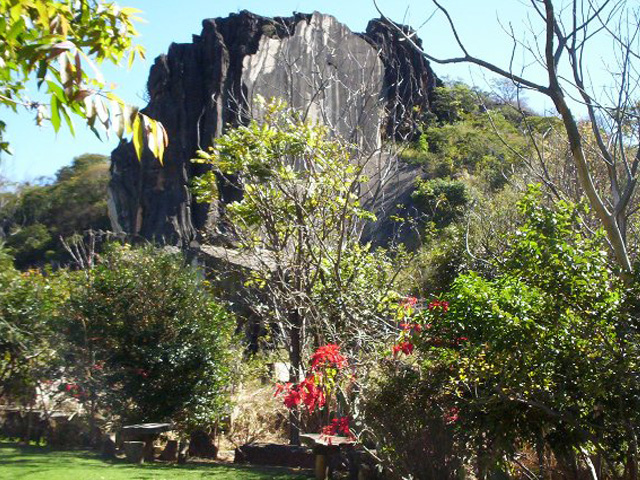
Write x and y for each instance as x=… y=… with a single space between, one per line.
x=130 y=10
x=138 y=136
x=160 y=136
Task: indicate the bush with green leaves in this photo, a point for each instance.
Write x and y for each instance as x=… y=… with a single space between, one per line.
x=29 y=302
x=147 y=339
x=403 y=411
x=542 y=355
x=442 y=200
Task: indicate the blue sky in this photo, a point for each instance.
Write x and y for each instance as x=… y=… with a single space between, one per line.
x=39 y=152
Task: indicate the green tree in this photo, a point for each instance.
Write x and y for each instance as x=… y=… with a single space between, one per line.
x=296 y=231
x=57 y=44
x=147 y=341
x=34 y=218
x=29 y=302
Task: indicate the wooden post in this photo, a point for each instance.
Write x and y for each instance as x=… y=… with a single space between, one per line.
x=322 y=466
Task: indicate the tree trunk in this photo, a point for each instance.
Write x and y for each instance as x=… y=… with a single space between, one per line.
x=295 y=358
x=611 y=227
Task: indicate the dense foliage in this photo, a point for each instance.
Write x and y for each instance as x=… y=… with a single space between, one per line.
x=520 y=360
x=543 y=355
x=147 y=340
x=34 y=218
x=29 y=302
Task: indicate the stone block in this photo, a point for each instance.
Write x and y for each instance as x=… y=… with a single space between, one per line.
x=134 y=451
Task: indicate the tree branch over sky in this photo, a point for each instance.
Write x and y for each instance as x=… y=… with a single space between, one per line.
x=558 y=42
x=59 y=45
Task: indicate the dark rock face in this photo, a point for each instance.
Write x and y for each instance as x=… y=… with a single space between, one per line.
x=408 y=79
x=366 y=86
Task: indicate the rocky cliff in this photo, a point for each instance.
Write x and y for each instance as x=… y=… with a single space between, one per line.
x=368 y=87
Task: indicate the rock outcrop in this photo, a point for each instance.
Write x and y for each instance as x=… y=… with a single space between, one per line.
x=367 y=87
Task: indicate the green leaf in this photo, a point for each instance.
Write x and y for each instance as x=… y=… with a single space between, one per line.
x=55 y=112
x=67 y=119
x=42 y=72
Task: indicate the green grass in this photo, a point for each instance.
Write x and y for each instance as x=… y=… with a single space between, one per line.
x=18 y=462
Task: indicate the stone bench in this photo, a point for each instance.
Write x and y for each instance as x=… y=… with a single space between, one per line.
x=144 y=432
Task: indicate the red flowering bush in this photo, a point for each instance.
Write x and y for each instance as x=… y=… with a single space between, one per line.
x=530 y=357
x=417 y=327
x=316 y=391
x=328 y=356
x=429 y=331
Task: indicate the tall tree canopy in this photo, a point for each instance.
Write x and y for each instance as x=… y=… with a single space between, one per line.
x=33 y=218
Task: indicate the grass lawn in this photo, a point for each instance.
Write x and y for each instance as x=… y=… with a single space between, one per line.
x=18 y=462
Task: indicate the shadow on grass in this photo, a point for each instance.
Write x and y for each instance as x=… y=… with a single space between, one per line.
x=38 y=462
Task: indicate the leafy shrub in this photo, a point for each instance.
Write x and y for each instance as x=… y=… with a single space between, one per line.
x=443 y=200
x=542 y=355
x=403 y=411
x=147 y=339
x=29 y=302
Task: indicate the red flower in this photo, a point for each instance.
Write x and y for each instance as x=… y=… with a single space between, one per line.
x=408 y=327
x=282 y=388
x=436 y=304
x=306 y=392
x=409 y=302
x=338 y=426
x=292 y=399
x=311 y=394
x=328 y=356
x=451 y=415
x=404 y=347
